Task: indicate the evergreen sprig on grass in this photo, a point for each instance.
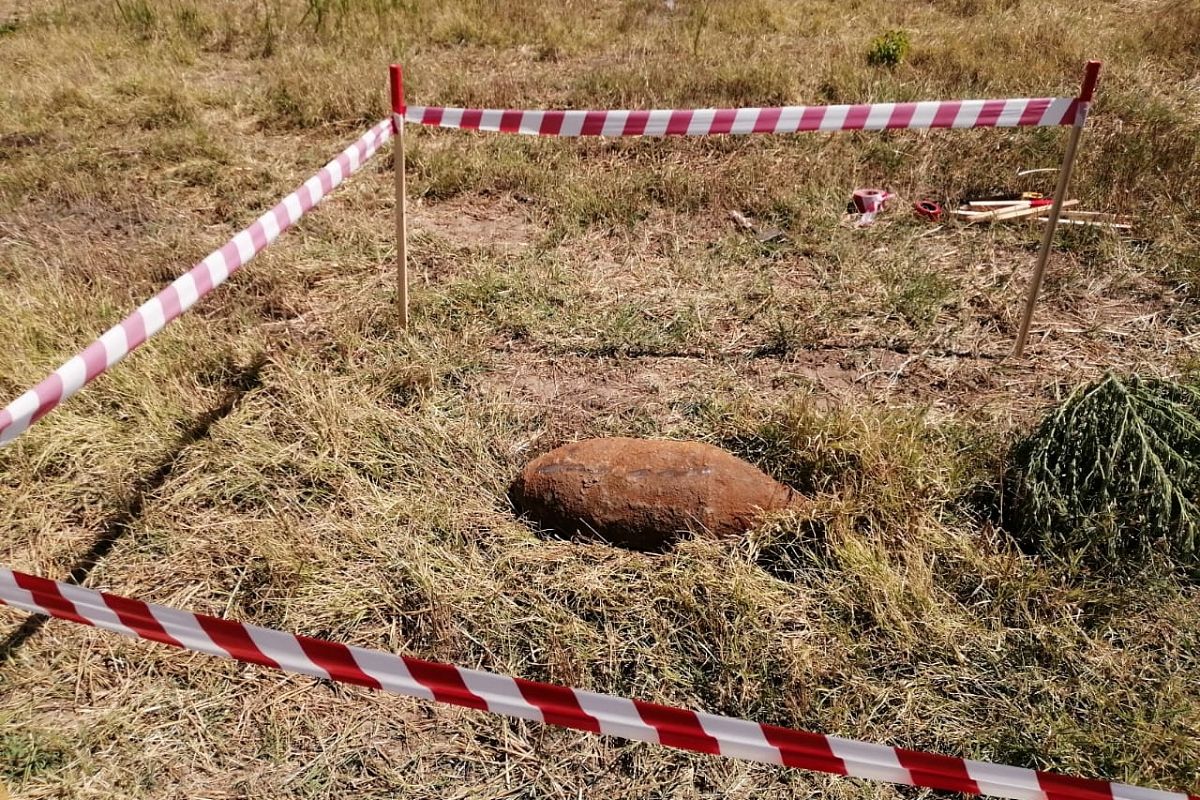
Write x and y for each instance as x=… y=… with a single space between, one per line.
x=1113 y=473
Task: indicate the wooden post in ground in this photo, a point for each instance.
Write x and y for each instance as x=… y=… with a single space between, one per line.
x=1084 y=100
x=398 y=107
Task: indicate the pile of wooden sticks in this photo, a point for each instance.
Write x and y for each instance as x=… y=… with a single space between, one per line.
x=977 y=211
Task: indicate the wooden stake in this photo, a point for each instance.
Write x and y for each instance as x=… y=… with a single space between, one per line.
x=1084 y=99
x=398 y=107
x=1098 y=216
x=1117 y=226
x=984 y=205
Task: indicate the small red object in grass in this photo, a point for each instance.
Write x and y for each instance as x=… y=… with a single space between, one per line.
x=928 y=210
x=870 y=201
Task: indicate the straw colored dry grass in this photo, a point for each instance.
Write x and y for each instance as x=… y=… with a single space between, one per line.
x=284 y=456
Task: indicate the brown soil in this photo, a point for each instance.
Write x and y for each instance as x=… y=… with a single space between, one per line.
x=502 y=225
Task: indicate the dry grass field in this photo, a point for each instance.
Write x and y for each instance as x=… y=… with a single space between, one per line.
x=284 y=456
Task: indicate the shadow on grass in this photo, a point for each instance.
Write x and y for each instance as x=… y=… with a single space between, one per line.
x=242 y=382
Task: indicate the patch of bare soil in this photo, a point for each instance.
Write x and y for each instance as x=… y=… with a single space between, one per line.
x=11 y=12
x=503 y=225
x=1086 y=323
x=578 y=394
x=573 y=395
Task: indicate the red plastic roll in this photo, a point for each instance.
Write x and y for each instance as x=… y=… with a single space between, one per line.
x=928 y=209
x=869 y=201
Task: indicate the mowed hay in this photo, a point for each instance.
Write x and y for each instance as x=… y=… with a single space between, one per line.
x=1114 y=472
x=356 y=489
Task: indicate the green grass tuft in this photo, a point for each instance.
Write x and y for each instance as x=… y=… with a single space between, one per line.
x=26 y=753
x=888 y=49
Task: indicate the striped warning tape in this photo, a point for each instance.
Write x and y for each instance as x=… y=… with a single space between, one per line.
x=181 y=295
x=1011 y=113
x=177 y=298
x=551 y=704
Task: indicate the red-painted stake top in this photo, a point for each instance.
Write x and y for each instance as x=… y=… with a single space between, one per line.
x=1090 y=75
x=397 y=75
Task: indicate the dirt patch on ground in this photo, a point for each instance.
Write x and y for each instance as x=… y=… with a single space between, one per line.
x=503 y=225
x=577 y=394
x=570 y=395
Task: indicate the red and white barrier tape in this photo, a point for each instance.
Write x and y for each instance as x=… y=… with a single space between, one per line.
x=1020 y=112
x=181 y=295
x=551 y=704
